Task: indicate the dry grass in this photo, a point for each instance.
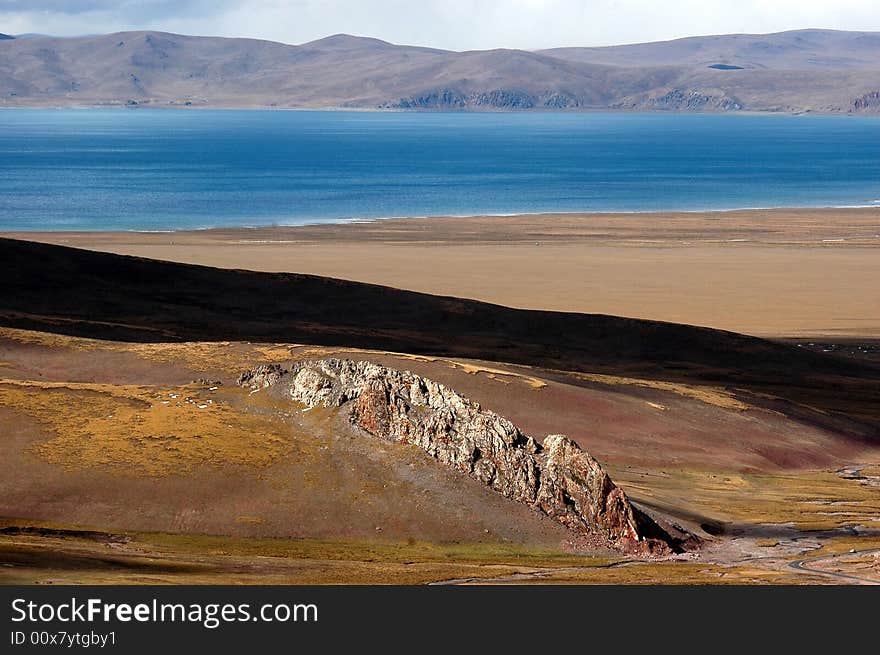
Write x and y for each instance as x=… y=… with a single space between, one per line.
x=498 y=374
x=41 y=563
x=198 y=356
x=48 y=340
x=143 y=430
x=151 y=558
x=669 y=573
x=808 y=500
x=183 y=559
x=844 y=544
x=191 y=559
x=710 y=395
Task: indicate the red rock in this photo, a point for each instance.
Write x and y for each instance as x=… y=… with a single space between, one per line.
x=559 y=478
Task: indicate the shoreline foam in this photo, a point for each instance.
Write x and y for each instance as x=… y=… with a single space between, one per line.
x=366 y=220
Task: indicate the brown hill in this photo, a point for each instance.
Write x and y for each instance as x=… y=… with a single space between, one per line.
x=794 y=50
x=811 y=70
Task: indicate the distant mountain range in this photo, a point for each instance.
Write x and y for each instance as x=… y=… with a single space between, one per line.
x=802 y=71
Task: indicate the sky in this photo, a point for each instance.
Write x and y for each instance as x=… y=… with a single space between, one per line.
x=450 y=24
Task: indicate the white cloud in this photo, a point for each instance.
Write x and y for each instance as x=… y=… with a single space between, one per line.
x=456 y=24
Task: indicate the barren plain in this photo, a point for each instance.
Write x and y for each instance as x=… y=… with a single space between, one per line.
x=783 y=272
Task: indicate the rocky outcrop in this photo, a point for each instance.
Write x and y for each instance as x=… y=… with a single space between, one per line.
x=869 y=102
x=693 y=100
x=682 y=100
x=442 y=99
x=505 y=99
x=556 y=478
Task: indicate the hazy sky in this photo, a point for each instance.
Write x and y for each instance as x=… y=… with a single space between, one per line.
x=454 y=24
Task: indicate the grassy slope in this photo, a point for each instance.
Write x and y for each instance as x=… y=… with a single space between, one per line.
x=106 y=296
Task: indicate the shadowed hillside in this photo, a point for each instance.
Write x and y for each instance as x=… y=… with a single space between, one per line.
x=808 y=70
x=83 y=293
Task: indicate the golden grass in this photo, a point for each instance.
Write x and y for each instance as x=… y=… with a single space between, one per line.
x=808 y=500
x=48 y=340
x=220 y=355
x=709 y=395
x=497 y=374
x=157 y=558
x=670 y=573
x=843 y=544
x=231 y=356
x=198 y=356
x=250 y=520
x=184 y=559
x=96 y=566
x=392 y=552
x=143 y=430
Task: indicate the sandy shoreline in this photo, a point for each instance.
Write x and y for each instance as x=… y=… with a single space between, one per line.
x=783 y=272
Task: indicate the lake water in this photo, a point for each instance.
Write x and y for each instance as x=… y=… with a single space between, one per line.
x=164 y=170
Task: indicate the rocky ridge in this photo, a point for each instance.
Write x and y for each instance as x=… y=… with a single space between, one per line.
x=445 y=99
x=868 y=102
x=683 y=100
x=556 y=478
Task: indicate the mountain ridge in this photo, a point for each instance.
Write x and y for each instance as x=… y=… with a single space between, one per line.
x=819 y=71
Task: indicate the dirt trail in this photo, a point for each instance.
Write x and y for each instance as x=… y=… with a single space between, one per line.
x=802 y=565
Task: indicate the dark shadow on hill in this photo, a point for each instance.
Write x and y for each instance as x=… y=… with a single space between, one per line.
x=105 y=296
x=86 y=558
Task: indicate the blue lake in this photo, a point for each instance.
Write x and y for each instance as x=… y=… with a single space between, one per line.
x=163 y=170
